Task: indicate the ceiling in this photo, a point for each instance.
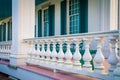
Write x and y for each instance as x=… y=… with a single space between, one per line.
x=6 y=8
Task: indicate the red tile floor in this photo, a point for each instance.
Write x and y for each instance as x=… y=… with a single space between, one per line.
x=60 y=75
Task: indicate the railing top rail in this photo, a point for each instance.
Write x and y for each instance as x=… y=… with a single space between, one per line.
x=6 y=43
x=80 y=35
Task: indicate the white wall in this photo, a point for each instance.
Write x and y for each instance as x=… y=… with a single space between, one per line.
x=99 y=20
x=98 y=15
x=23 y=22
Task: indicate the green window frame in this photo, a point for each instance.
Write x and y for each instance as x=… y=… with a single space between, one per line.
x=74 y=16
x=46 y=22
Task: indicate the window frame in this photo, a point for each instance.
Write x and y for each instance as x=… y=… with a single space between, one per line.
x=68 y=18
x=43 y=20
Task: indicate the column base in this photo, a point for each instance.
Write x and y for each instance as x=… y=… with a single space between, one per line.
x=16 y=59
x=117 y=72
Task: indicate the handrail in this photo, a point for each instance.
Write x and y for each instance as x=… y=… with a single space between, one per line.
x=70 y=62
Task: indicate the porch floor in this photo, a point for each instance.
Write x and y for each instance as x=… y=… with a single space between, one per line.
x=59 y=75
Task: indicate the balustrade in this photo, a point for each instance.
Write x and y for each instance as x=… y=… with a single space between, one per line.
x=5 y=50
x=71 y=61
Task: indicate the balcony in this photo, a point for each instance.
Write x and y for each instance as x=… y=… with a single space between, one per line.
x=57 y=53
x=5 y=50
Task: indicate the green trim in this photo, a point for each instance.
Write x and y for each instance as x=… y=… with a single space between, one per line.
x=51 y=20
x=5 y=9
x=83 y=16
x=4 y=32
x=35 y=31
x=63 y=17
x=9 y=31
x=40 y=23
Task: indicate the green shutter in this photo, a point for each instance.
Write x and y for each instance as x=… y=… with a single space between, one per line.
x=8 y=35
x=11 y=31
x=51 y=20
x=63 y=17
x=40 y=23
x=83 y=16
x=4 y=32
x=35 y=31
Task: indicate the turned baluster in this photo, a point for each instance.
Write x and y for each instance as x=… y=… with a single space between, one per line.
x=60 y=54
x=99 y=58
x=38 y=52
x=113 y=58
x=54 y=53
x=29 y=59
x=43 y=51
x=77 y=55
x=87 y=56
x=48 y=52
x=68 y=54
x=33 y=52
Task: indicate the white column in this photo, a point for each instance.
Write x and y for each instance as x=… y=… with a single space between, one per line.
x=57 y=17
x=6 y=31
x=23 y=21
x=113 y=14
x=117 y=70
x=68 y=31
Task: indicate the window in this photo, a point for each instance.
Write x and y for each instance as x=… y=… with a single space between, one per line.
x=74 y=16
x=46 y=22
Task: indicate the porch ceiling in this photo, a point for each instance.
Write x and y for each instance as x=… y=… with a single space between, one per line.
x=6 y=8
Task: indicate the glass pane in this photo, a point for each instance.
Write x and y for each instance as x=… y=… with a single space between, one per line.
x=74 y=16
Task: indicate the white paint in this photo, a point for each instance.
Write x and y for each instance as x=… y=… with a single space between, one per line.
x=6 y=31
x=113 y=14
x=23 y=18
x=67 y=18
x=98 y=15
x=57 y=18
x=36 y=21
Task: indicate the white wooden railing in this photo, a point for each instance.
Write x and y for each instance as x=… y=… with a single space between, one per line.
x=5 y=49
x=71 y=62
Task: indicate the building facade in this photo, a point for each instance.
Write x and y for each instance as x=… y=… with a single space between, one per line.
x=35 y=28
